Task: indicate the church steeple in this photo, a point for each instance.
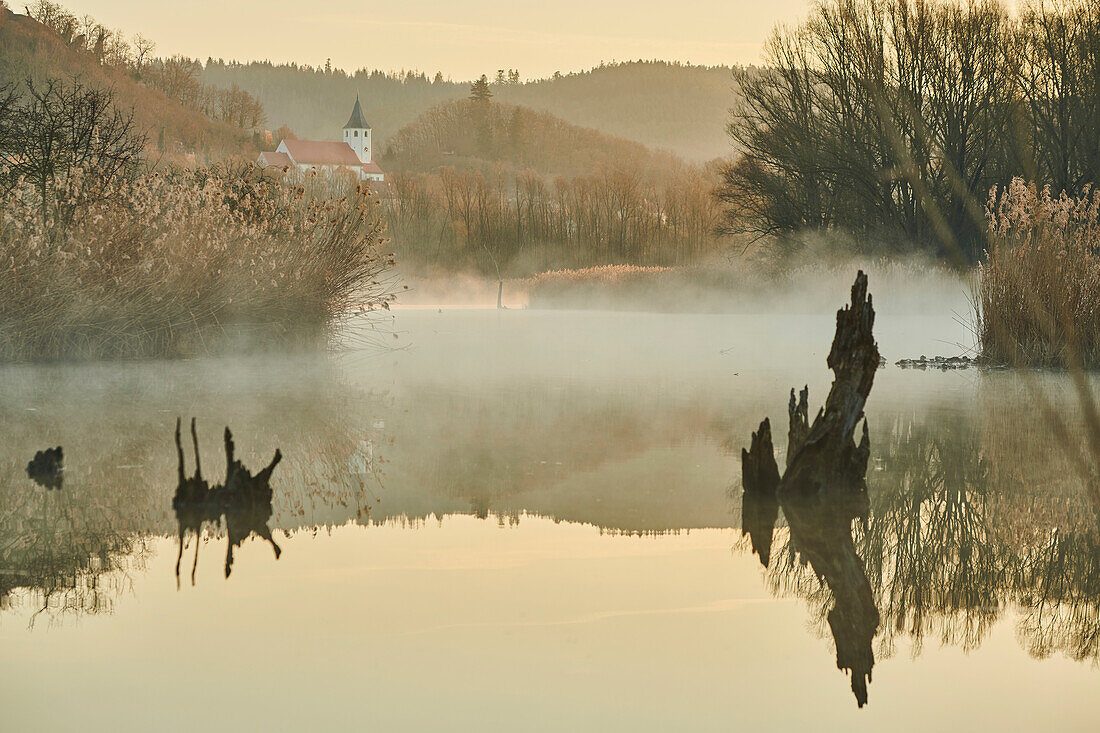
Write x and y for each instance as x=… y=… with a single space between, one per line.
x=356 y=121
x=357 y=133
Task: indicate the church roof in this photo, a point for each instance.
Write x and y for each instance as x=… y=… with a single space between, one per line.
x=276 y=160
x=318 y=152
x=356 y=120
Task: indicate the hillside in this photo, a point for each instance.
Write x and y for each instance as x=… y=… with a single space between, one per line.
x=469 y=134
x=669 y=106
x=501 y=189
x=31 y=50
x=676 y=107
x=314 y=103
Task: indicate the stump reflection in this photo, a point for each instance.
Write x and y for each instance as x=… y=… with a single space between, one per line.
x=244 y=501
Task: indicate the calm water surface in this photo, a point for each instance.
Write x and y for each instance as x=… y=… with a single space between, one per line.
x=531 y=521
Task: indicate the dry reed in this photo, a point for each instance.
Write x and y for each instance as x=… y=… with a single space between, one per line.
x=1037 y=297
x=180 y=262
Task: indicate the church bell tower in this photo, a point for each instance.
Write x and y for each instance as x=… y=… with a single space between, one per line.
x=357 y=133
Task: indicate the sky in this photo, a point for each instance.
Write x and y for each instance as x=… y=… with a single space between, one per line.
x=463 y=40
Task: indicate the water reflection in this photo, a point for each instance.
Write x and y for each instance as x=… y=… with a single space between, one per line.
x=960 y=533
x=243 y=500
x=973 y=518
x=820 y=533
x=72 y=552
x=72 y=558
x=823 y=488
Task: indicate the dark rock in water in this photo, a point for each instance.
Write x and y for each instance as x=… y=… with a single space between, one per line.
x=45 y=469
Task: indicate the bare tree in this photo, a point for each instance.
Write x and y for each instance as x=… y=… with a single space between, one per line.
x=69 y=142
x=143 y=48
x=891 y=121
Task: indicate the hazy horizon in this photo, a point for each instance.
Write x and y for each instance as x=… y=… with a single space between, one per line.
x=462 y=42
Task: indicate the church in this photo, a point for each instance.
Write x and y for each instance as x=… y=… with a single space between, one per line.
x=353 y=153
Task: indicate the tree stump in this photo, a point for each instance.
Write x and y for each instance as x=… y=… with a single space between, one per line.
x=823 y=487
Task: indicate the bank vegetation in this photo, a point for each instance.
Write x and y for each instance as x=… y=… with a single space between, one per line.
x=103 y=255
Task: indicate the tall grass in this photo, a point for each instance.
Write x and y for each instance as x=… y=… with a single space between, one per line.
x=180 y=262
x=1038 y=291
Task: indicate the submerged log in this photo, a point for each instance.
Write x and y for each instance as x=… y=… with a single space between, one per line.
x=759 y=480
x=823 y=488
x=244 y=500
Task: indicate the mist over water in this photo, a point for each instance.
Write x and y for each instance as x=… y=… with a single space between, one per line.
x=522 y=494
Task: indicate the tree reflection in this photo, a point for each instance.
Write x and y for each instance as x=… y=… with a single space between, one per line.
x=960 y=532
x=823 y=488
x=820 y=535
x=65 y=558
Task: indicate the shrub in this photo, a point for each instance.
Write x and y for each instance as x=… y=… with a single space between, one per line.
x=179 y=262
x=1038 y=293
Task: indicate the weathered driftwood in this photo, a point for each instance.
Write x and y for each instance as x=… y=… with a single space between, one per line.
x=244 y=500
x=823 y=488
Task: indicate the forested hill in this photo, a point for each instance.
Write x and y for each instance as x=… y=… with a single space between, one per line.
x=677 y=107
x=664 y=105
x=315 y=102
x=95 y=56
x=464 y=133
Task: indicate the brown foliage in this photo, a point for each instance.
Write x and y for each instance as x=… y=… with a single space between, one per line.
x=1037 y=297
x=62 y=46
x=182 y=261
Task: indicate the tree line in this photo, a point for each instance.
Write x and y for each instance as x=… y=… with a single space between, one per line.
x=892 y=121
x=179 y=78
x=490 y=219
x=314 y=101
x=494 y=187
x=665 y=105
x=480 y=129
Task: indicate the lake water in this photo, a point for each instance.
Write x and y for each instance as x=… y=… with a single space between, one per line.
x=528 y=520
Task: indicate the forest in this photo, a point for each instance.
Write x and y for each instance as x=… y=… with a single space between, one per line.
x=180 y=116
x=669 y=106
x=505 y=190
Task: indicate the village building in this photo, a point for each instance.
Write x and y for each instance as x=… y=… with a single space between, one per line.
x=353 y=153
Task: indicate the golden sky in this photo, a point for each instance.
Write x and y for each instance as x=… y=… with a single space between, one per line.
x=463 y=40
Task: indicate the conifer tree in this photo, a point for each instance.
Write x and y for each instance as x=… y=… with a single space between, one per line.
x=479 y=90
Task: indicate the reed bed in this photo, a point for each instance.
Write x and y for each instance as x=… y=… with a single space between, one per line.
x=1037 y=297
x=183 y=262
x=807 y=285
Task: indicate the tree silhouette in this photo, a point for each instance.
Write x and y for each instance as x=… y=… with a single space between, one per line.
x=480 y=91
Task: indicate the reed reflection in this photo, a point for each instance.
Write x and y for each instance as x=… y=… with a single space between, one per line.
x=59 y=554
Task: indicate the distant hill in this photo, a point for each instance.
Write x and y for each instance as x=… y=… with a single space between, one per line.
x=31 y=50
x=315 y=103
x=468 y=134
x=670 y=106
x=676 y=107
